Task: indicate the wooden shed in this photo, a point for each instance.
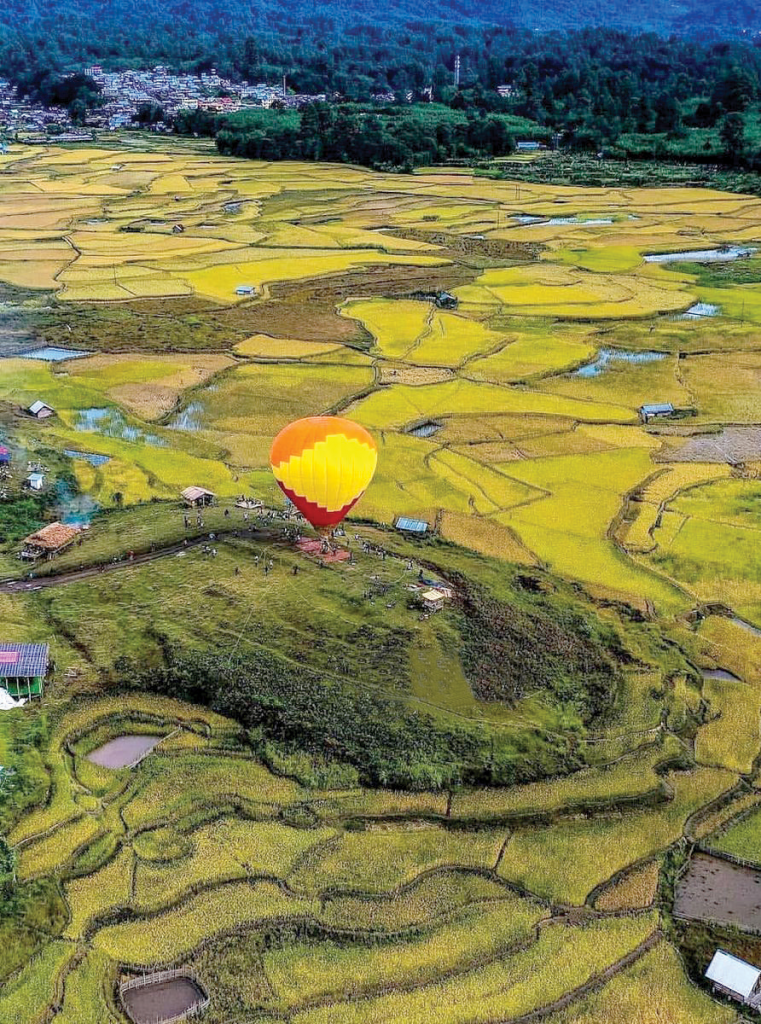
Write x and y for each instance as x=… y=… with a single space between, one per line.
x=433 y=600
x=49 y=541
x=198 y=497
x=735 y=978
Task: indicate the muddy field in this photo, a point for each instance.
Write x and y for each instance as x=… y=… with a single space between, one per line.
x=123 y=751
x=716 y=891
x=732 y=445
x=151 y=1004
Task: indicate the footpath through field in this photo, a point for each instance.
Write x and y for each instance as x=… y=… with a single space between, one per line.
x=25 y=584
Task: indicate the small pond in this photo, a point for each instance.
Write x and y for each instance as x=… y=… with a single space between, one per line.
x=92 y=457
x=720 y=673
x=606 y=356
x=51 y=354
x=699 y=311
x=724 y=255
x=123 y=751
x=111 y=422
x=190 y=418
x=425 y=429
x=528 y=220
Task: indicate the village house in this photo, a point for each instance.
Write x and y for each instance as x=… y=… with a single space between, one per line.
x=655 y=410
x=49 y=541
x=198 y=497
x=40 y=410
x=735 y=978
x=35 y=481
x=406 y=525
x=23 y=669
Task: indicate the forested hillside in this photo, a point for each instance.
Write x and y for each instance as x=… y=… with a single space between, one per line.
x=209 y=31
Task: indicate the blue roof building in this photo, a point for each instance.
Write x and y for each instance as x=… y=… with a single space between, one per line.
x=23 y=668
x=418 y=526
x=648 y=412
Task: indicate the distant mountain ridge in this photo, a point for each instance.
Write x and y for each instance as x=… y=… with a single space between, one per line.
x=216 y=18
x=355 y=47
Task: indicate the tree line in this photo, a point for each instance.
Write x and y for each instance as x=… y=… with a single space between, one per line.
x=557 y=76
x=350 y=134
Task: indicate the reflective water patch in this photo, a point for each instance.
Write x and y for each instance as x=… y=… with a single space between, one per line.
x=606 y=356
x=112 y=423
x=51 y=354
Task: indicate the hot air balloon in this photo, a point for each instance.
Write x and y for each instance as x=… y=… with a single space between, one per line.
x=323 y=464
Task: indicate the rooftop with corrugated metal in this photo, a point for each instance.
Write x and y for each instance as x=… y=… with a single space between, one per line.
x=23 y=660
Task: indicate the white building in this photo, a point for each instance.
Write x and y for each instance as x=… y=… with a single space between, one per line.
x=734 y=977
x=433 y=600
x=40 y=410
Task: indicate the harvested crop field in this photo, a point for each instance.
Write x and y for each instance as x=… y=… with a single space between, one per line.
x=731 y=445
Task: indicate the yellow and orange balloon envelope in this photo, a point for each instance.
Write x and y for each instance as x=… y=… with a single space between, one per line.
x=323 y=464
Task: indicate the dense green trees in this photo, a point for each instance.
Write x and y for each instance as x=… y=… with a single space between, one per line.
x=397 y=137
x=590 y=86
x=384 y=740
x=733 y=135
x=78 y=92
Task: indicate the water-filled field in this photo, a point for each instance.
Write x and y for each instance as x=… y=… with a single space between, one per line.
x=503 y=344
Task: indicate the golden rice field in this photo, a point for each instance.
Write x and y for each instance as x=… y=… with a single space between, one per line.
x=421 y=891
x=109 y=229
x=219 y=299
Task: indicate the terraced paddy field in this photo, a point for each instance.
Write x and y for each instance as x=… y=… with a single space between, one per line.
x=328 y=904
x=487 y=820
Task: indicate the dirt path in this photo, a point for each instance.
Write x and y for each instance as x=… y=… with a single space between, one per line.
x=24 y=585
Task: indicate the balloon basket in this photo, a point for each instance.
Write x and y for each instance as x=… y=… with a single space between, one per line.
x=322 y=551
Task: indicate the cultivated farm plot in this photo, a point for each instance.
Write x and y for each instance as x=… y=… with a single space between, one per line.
x=658 y=984
x=223 y=299
x=566 y=861
x=161 y=226
x=188 y=874
x=709 y=542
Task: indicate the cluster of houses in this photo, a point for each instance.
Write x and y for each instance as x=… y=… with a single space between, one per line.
x=126 y=91
x=17 y=114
